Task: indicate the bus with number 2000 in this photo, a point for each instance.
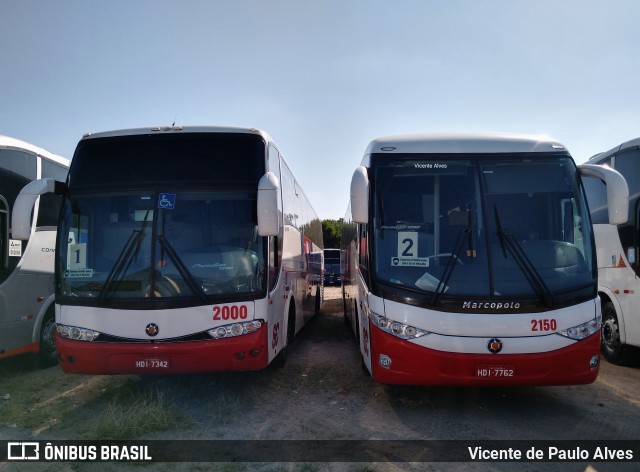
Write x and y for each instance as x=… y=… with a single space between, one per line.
x=470 y=261
x=180 y=249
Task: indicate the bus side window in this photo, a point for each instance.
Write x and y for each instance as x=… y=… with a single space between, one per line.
x=363 y=250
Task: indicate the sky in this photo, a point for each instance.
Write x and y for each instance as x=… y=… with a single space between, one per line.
x=323 y=78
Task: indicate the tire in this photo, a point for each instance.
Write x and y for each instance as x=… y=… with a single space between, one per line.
x=317 y=302
x=345 y=315
x=281 y=359
x=611 y=347
x=47 y=355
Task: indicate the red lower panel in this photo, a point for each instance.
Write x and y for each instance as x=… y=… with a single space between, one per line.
x=416 y=365
x=248 y=352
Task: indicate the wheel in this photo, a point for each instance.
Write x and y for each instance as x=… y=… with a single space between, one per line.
x=317 y=302
x=47 y=354
x=611 y=346
x=281 y=359
x=345 y=315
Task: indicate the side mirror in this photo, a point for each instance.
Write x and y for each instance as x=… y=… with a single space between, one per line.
x=617 y=190
x=21 y=216
x=360 y=195
x=268 y=215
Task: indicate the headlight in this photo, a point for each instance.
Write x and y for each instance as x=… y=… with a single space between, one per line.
x=582 y=331
x=235 y=329
x=396 y=328
x=76 y=333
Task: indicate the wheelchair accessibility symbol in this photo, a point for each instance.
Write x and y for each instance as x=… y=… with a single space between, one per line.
x=167 y=201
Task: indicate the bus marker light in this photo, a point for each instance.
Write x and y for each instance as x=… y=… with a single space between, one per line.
x=385 y=361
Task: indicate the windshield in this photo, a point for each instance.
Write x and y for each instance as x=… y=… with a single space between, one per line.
x=482 y=227
x=179 y=244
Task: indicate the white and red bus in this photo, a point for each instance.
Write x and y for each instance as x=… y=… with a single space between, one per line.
x=27 y=311
x=180 y=250
x=470 y=261
x=617 y=250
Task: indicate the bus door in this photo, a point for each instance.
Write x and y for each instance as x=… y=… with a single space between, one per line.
x=15 y=325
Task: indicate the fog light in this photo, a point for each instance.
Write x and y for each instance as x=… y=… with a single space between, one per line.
x=593 y=363
x=255 y=352
x=384 y=361
x=240 y=355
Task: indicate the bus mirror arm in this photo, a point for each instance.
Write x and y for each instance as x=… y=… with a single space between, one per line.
x=23 y=206
x=268 y=214
x=617 y=190
x=360 y=195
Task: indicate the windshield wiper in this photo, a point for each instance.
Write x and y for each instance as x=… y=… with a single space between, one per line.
x=131 y=247
x=455 y=255
x=510 y=244
x=182 y=269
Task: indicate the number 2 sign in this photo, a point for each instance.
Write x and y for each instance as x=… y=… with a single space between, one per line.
x=407 y=244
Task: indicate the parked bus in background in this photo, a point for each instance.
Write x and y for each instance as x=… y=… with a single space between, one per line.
x=182 y=250
x=332 y=267
x=27 y=312
x=617 y=249
x=473 y=261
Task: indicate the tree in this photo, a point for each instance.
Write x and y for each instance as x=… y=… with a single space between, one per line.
x=331 y=233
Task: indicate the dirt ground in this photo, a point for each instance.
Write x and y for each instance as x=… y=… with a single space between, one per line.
x=321 y=393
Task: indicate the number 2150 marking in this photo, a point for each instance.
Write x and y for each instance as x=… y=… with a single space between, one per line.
x=544 y=325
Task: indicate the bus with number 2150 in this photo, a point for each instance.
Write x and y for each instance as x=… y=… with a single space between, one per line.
x=470 y=260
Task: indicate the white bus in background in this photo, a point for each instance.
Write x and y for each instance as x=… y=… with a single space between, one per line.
x=185 y=250
x=27 y=312
x=469 y=260
x=618 y=251
x=332 y=273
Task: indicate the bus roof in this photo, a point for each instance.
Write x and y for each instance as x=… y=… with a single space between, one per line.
x=177 y=129
x=465 y=143
x=7 y=142
x=634 y=143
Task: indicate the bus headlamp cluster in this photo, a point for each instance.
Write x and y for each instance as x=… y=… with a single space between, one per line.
x=235 y=329
x=584 y=330
x=77 y=334
x=401 y=330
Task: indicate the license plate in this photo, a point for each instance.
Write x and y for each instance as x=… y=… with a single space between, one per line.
x=495 y=371
x=155 y=363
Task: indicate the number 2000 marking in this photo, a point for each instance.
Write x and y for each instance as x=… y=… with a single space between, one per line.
x=233 y=312
x=544 y=325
